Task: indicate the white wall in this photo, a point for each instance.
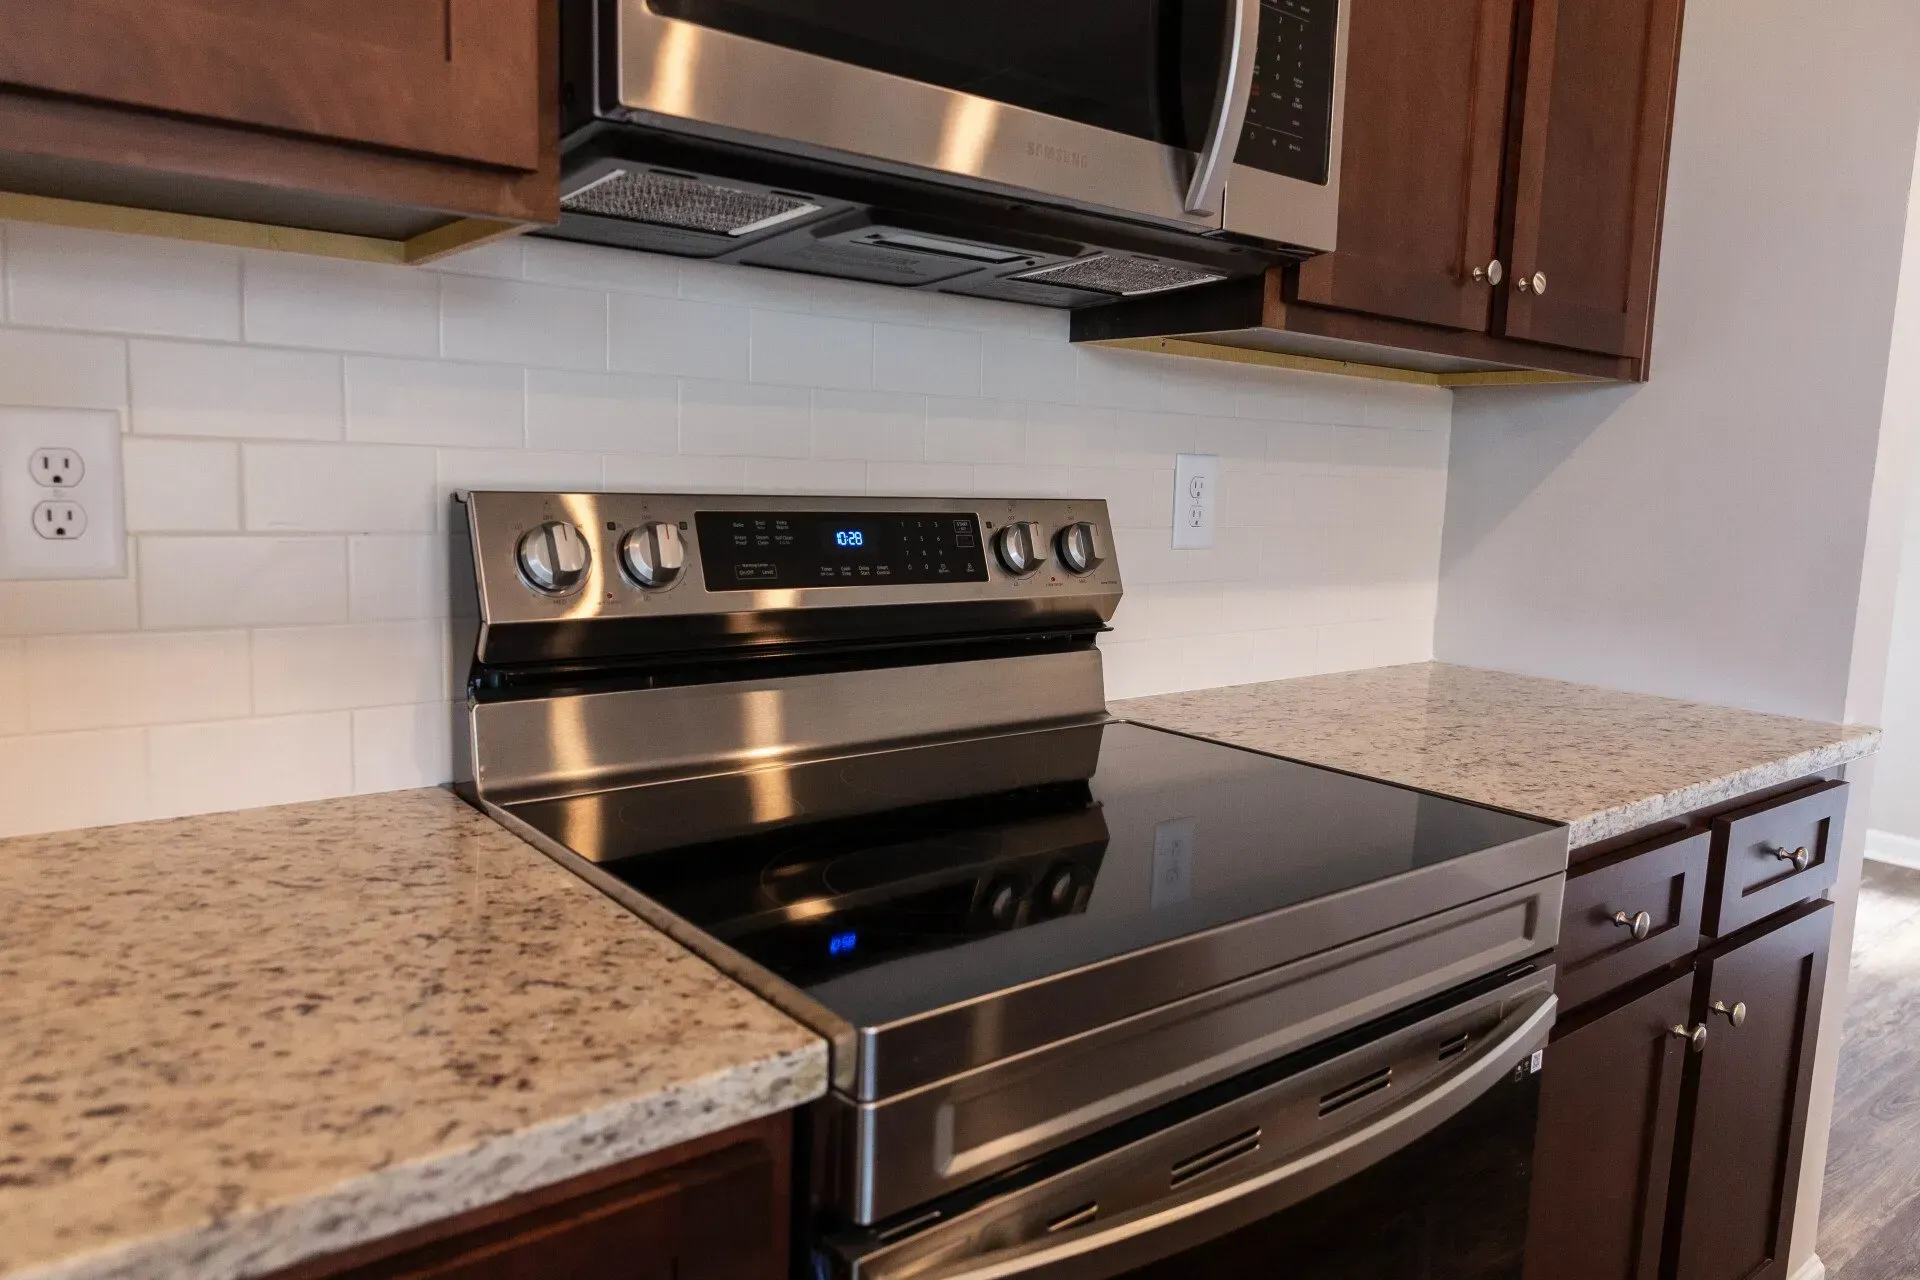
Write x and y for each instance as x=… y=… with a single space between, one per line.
x=1703 y=535
x=294 y=425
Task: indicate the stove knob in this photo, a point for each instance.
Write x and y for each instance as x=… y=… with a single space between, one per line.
x=654 y=554
x=1021 y=546
x=1079 y=547
x=1058 y=890
x=1002 y=902
x=555 y=558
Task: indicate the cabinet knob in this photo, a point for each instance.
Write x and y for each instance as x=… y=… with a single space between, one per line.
x=1640 y=923
x=1696 y=1037
x=1492 y=273
x=1800 y=858
x=1535 y=283
x=1736 y=1015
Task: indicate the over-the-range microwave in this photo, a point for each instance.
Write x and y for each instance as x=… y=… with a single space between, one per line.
x=1060 y=152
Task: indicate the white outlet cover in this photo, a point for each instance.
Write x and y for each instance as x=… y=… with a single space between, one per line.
x=101 y=549
x=1196 y=496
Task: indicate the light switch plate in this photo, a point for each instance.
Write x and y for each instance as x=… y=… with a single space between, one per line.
x=37 y=540
x=1196 y=494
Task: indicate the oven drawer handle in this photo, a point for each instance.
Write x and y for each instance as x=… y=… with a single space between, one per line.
x=1230 y=111
x=1163 y=1231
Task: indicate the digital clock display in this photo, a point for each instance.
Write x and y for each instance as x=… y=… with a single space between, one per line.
x=849 y=538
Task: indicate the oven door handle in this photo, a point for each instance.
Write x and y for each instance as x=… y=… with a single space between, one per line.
x=1169 y=1229
x=1209 y=182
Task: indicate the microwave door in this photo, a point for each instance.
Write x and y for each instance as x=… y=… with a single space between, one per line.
x=1284 y=182
x=1105 y=105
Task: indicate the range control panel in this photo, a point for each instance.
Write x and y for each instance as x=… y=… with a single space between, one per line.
x=749 y=550
x=1289 y=128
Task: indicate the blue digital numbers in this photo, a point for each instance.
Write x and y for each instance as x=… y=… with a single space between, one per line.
x=842 y=944
x=849 y=538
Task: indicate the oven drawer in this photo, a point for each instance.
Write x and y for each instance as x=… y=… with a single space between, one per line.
x=1770 y=856
x=1631 y=914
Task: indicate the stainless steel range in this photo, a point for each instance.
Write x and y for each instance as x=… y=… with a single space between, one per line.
x=1102 y=999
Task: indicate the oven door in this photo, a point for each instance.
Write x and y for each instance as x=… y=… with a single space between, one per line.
x=1140 y=107
x=1406 y=1157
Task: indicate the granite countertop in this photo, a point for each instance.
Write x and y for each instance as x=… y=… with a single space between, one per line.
x=1602 y=762
x=234 y=1042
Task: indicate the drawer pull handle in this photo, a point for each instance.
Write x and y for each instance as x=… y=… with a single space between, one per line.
x=1737 y=1015
x=1696 y=1037
x=1639 y=924
x=1800 y=858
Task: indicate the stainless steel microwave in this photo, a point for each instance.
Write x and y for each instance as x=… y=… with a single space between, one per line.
x=1056 y=151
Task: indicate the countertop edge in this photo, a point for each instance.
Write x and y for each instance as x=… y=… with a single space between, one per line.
x=377 y=1205
x=1622 y=819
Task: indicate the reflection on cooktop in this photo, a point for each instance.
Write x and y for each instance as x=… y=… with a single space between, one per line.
x=1150 y=836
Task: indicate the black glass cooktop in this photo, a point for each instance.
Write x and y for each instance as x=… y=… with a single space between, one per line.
x=888 y=883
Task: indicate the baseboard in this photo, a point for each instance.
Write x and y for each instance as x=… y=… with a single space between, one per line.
x=1811 y=1269
x=1901 y=851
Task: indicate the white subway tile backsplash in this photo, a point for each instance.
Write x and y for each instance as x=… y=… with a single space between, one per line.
x=206 y=389
x=798 y=350
x=677 y=474
x=295 y=301
x=941 y=362
x=62 y=278
x=362 y=664
x=393 y=576
x=514 y=322
x=111 y=681
x=1016 y=367
x=52 y=781
x=395 y=747
x=284 y=635
x=238 y=764
x=358 y=488
x=970 y=430
x=13 y=687
x=876 y=425
x=241 y=581
x=608 y=413
x=435 y=402
x=739 y=418
x=62 y=370
x=181 y=486
x=675 y=336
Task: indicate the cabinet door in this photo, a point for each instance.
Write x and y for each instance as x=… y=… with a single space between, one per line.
x=1589 y=180
x=447 y=78
x=1420 y=163
x=1746 y=1125
x=1609 y=1098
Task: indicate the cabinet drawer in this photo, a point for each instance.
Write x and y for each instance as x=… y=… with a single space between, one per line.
x=1598 y=951
x=1768 y=857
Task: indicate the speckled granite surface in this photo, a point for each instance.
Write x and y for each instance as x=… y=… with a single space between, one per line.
x=231 y=1042
x=1601 y=761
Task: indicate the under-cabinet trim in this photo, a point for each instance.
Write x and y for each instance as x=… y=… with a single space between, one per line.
x=1344 y=368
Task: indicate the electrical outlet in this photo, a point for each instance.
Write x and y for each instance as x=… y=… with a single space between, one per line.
x=56 y=468
x=63 y=521
x=1196 y=492
x=61 y=513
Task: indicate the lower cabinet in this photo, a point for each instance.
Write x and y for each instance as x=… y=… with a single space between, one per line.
x=713 y=1209
x=1673 y=1114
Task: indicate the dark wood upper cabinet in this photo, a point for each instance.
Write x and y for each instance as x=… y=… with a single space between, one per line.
x=399 y=128
x=1595 y=86
x=1609 y=1103
x=1745 y=1127
x=1420 y=175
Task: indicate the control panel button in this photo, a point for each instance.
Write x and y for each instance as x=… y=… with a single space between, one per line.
x=555 y=558
x=653 y=554
x=1021 y=546
x=1079 y=547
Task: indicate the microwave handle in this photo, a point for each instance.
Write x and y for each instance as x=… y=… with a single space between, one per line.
x=1230 y=111
x=1165 y=1230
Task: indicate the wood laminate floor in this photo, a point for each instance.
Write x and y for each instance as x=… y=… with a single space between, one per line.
x=1870 y=1214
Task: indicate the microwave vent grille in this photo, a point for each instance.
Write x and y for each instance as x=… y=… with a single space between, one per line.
x=671 y=200
x=1126 y=276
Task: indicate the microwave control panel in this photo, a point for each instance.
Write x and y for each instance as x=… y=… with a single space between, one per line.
x=1289 y=129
